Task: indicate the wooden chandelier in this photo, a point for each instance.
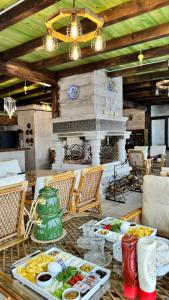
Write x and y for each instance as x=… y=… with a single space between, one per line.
x=82 y=12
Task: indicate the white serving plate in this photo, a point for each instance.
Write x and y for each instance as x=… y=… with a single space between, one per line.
x=45 y=293
x=142 y=226
x=113 y=237
x=106 y=221
x=162 y=270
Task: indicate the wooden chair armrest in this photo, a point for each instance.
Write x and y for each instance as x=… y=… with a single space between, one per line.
x=73 y=202
x=76 y=192
x=133 y=216
x=163 y=156
x=28 y=202
x=149 y=160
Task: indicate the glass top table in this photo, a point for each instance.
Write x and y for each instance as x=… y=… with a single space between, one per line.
x=16 y=290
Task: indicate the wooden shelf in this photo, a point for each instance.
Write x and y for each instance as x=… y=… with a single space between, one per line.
x=5 y=121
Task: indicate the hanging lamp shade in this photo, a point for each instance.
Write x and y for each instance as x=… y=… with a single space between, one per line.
x=99 y=42
x=74 y=28
x=50 y=43
x=9 y=106
x=140 y=57
x=75 y=51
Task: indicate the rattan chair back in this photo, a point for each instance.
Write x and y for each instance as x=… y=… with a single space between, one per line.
x=136 y=158
x=89 y=186
x=11 y=211
x=64 y=183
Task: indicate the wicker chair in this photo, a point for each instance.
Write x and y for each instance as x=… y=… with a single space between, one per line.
x=88 y=194
x=139 y=163
x=158 y=153
x=64 y=183
x=144 y=149
x=140 y=167
x=155 y=205
x=164 y=171
x=12 y=227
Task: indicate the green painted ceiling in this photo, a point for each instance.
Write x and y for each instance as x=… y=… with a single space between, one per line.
x=10 y=82
x=117 y=30
x=34 y=26
x=6 y=3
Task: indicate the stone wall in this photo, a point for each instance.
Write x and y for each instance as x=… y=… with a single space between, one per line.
x=136 y=119
x=93 y=96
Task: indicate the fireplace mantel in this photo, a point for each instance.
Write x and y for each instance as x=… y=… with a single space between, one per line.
x=94 y=116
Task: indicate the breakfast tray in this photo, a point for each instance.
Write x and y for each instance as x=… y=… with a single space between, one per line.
x=68 y=262
x=112 y=236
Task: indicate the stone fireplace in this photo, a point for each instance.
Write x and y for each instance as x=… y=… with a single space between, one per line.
x=91 y=109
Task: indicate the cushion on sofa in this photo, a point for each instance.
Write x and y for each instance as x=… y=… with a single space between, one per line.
x=155 y=206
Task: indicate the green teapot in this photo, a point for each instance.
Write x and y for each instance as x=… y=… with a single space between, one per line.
x=49 y=225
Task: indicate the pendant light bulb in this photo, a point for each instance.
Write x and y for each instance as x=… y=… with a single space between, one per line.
x=75 y=52
x=74 y=30
x=25 y=88
x=99 y=41
x=157 y=92
x=140 y=57
x=50 y=43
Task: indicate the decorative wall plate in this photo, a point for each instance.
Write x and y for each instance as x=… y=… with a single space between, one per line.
x=73 y=92
x=109 y=86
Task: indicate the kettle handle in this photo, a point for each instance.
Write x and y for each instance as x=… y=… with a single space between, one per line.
x=61 y=212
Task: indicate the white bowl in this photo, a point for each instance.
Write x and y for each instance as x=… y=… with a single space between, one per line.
x=124 y=227
x=54 y=268
x=46 y=282
x=71 y=290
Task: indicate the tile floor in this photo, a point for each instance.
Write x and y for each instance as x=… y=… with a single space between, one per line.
x=111 y=208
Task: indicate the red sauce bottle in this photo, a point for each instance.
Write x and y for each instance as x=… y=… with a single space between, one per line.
x=129 y=266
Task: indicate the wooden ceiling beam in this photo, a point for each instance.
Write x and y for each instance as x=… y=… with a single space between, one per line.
x=138 y=86
x=131 y=104
x=146 y=77
x=139 y=96
x=111 y=16
x=128 y=40
x=4 y=78
x=34 y=101
x=23 y=11
x=140 y=69
x=139 y=92
x=13 y=88
x=149 y=103
x=115 y=61
x=41 y=97
x=31 y=93
x=23 y=71
x=157 y=102
x=55 y=101
x=22 y=49
x=144 y=98
x=132 y=9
